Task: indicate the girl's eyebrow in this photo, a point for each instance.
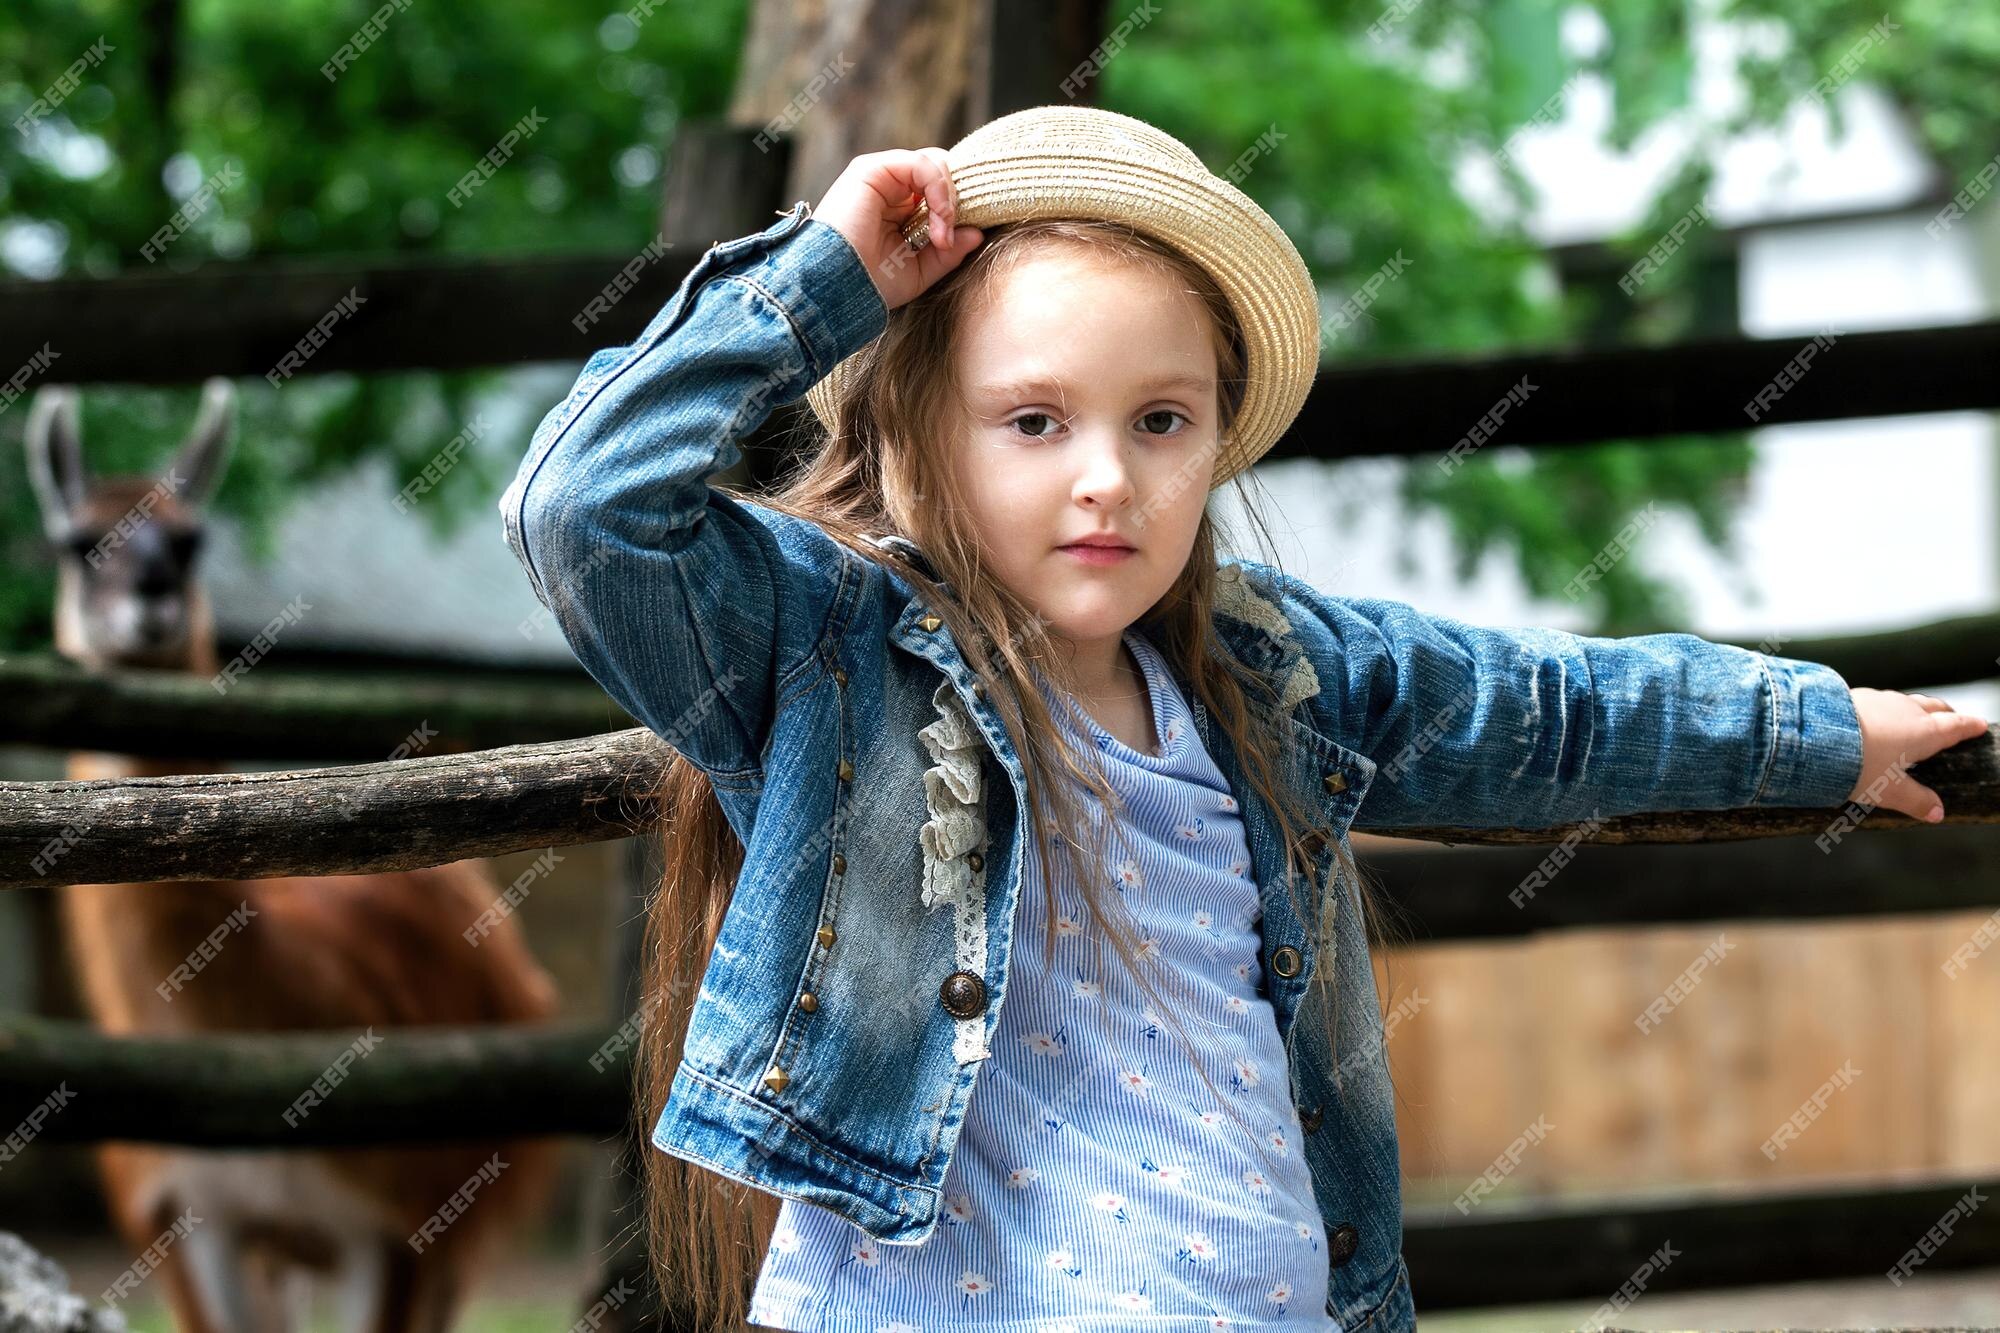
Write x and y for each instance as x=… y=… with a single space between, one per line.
x=1024 y=388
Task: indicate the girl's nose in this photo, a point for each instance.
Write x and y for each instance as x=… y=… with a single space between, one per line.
x=1104 y=474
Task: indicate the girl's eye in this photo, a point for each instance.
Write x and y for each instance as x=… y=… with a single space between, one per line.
x=1031 y=416
x=1043 y=433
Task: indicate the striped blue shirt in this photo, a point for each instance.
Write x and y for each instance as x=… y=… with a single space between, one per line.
x=1098 y=1184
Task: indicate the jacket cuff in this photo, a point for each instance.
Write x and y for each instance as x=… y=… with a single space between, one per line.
x=823 y=286
x=1816 y=747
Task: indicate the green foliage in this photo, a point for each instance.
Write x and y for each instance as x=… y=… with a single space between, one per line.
x=1373 y=132
x=1379 y=103
x=363 y=163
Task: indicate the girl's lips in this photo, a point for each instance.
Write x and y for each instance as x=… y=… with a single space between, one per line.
x=1098 y=555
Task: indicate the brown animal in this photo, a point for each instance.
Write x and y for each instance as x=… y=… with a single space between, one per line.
x=318 y=952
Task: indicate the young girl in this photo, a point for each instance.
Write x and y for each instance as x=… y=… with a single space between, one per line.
x=995 y=590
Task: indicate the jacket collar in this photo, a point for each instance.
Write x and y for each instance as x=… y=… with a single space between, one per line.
x=1251 y=626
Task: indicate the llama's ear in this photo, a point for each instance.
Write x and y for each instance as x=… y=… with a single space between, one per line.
x=197 y=465
x=54 y=441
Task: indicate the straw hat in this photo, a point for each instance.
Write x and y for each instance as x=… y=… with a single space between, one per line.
x=1085 y=162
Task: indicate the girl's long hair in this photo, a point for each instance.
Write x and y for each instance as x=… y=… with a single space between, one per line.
x=881 y=470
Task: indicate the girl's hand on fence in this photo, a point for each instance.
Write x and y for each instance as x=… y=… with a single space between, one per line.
x=1898 y=730
x=875 y=196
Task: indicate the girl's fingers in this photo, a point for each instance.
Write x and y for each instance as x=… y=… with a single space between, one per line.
x=1924 y=803
x=909 y=174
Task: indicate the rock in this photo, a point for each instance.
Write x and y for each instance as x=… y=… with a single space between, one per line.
x=35 y=1296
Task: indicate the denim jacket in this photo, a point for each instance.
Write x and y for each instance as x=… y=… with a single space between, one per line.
x=843 y=1015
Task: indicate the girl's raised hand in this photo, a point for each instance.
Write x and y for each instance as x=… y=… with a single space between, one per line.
x=1898 y=730
x=872 y=199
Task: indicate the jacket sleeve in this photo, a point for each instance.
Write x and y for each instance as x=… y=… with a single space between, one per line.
x=1528 y=728
x=678 y=600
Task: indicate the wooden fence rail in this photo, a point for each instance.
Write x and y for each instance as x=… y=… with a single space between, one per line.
x=272 y=713
x=238 y=320
x=425 y=811
x=414 y=1086
x=278 y=712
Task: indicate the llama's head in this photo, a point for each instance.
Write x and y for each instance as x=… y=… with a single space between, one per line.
x=126 y=590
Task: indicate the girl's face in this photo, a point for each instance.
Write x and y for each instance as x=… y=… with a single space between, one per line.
x=1092 y=401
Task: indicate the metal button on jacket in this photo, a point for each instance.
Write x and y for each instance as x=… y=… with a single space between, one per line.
x=1341 y=1245
x=1336 y=782
x=809 y=1002
x=826 y=936
x=1309 y=1119
x=963 y=994
x=846 y=770
x=930 y=622
x=1285 y=961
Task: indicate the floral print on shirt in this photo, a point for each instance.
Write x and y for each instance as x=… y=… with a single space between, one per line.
x=1098 y=1184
